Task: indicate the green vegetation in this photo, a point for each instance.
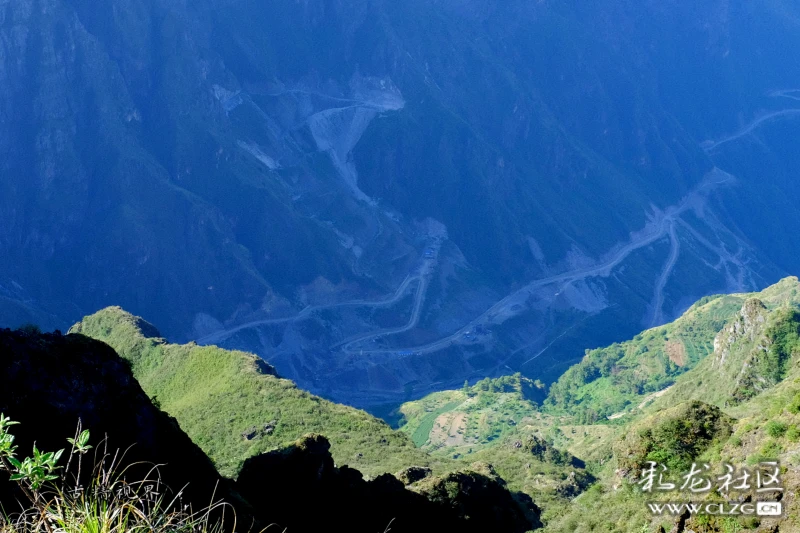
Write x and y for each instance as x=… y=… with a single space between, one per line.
x=534 y=466
x=785 y=336
x=759 y=345
x=423 y=431
x=672 y=405
x=462 y=422
x=58 y=502
x=625 y=377
x=775 y=429
x=233 y=407
x=52 y=381
x=675 y=391
x=673 y=438
x=610 y=380
x=495 y=421
x=769 y=360
x=794 y=405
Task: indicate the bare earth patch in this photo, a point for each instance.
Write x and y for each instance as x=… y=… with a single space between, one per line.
x=449 y=429
x=651 y=397
x=676 y=352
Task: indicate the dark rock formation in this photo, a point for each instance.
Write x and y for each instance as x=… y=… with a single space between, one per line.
x=48 y=382
x=303 y=476
x=412 y=474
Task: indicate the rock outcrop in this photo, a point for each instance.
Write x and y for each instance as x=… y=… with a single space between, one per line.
x=748 y=324
x=303 y=476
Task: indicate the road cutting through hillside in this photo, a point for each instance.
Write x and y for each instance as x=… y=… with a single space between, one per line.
x=658 y=294
x=709 y=146
x=512 y=304
x=219 y=336
x=424 y=271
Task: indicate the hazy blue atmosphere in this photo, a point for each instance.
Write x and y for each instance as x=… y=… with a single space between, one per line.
x=383 y=199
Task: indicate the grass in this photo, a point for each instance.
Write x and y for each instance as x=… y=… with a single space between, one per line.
x=217 y=394
x=499 y=421
x=233 y=408
x=609 y=380
x=58 y=502
x=490 y=409
x=764 y=428
x=620 y=377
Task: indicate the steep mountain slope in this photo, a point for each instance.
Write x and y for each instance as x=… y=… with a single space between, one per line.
x=233 y=405
x=734 y=398
x=611 y=380
x=482 y=423
x=302 y=179
x=754 y=355
x=743 y=409
x=50 y=382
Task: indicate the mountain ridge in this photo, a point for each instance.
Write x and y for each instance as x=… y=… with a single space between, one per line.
x=737 y=401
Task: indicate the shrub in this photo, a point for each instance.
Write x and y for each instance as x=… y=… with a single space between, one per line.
x=793 y=433
x=775 y=429
x=794 y=405
x=771 y=450
x=30 y=330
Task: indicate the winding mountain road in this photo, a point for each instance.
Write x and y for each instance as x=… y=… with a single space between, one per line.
x=658 y=294
x=219 y=336
x=512 y=304
x=709 y=146
x=416 y=311
x=422 y=275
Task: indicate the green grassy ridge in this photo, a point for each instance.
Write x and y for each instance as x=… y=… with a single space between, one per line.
x=501 y=420
x=621 y=376
x=547 y=477
x=615 y=379
x=550 y=478
x=218 y=395
x=764 y=426
x=765 y=361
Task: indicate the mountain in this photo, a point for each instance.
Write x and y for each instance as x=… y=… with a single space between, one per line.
x=720 y=385
x=234 y=406
x=478 y=187
x=481 y=423
x=53 y=383
x=611 y=380
x=486 y=452
x=739 y=406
